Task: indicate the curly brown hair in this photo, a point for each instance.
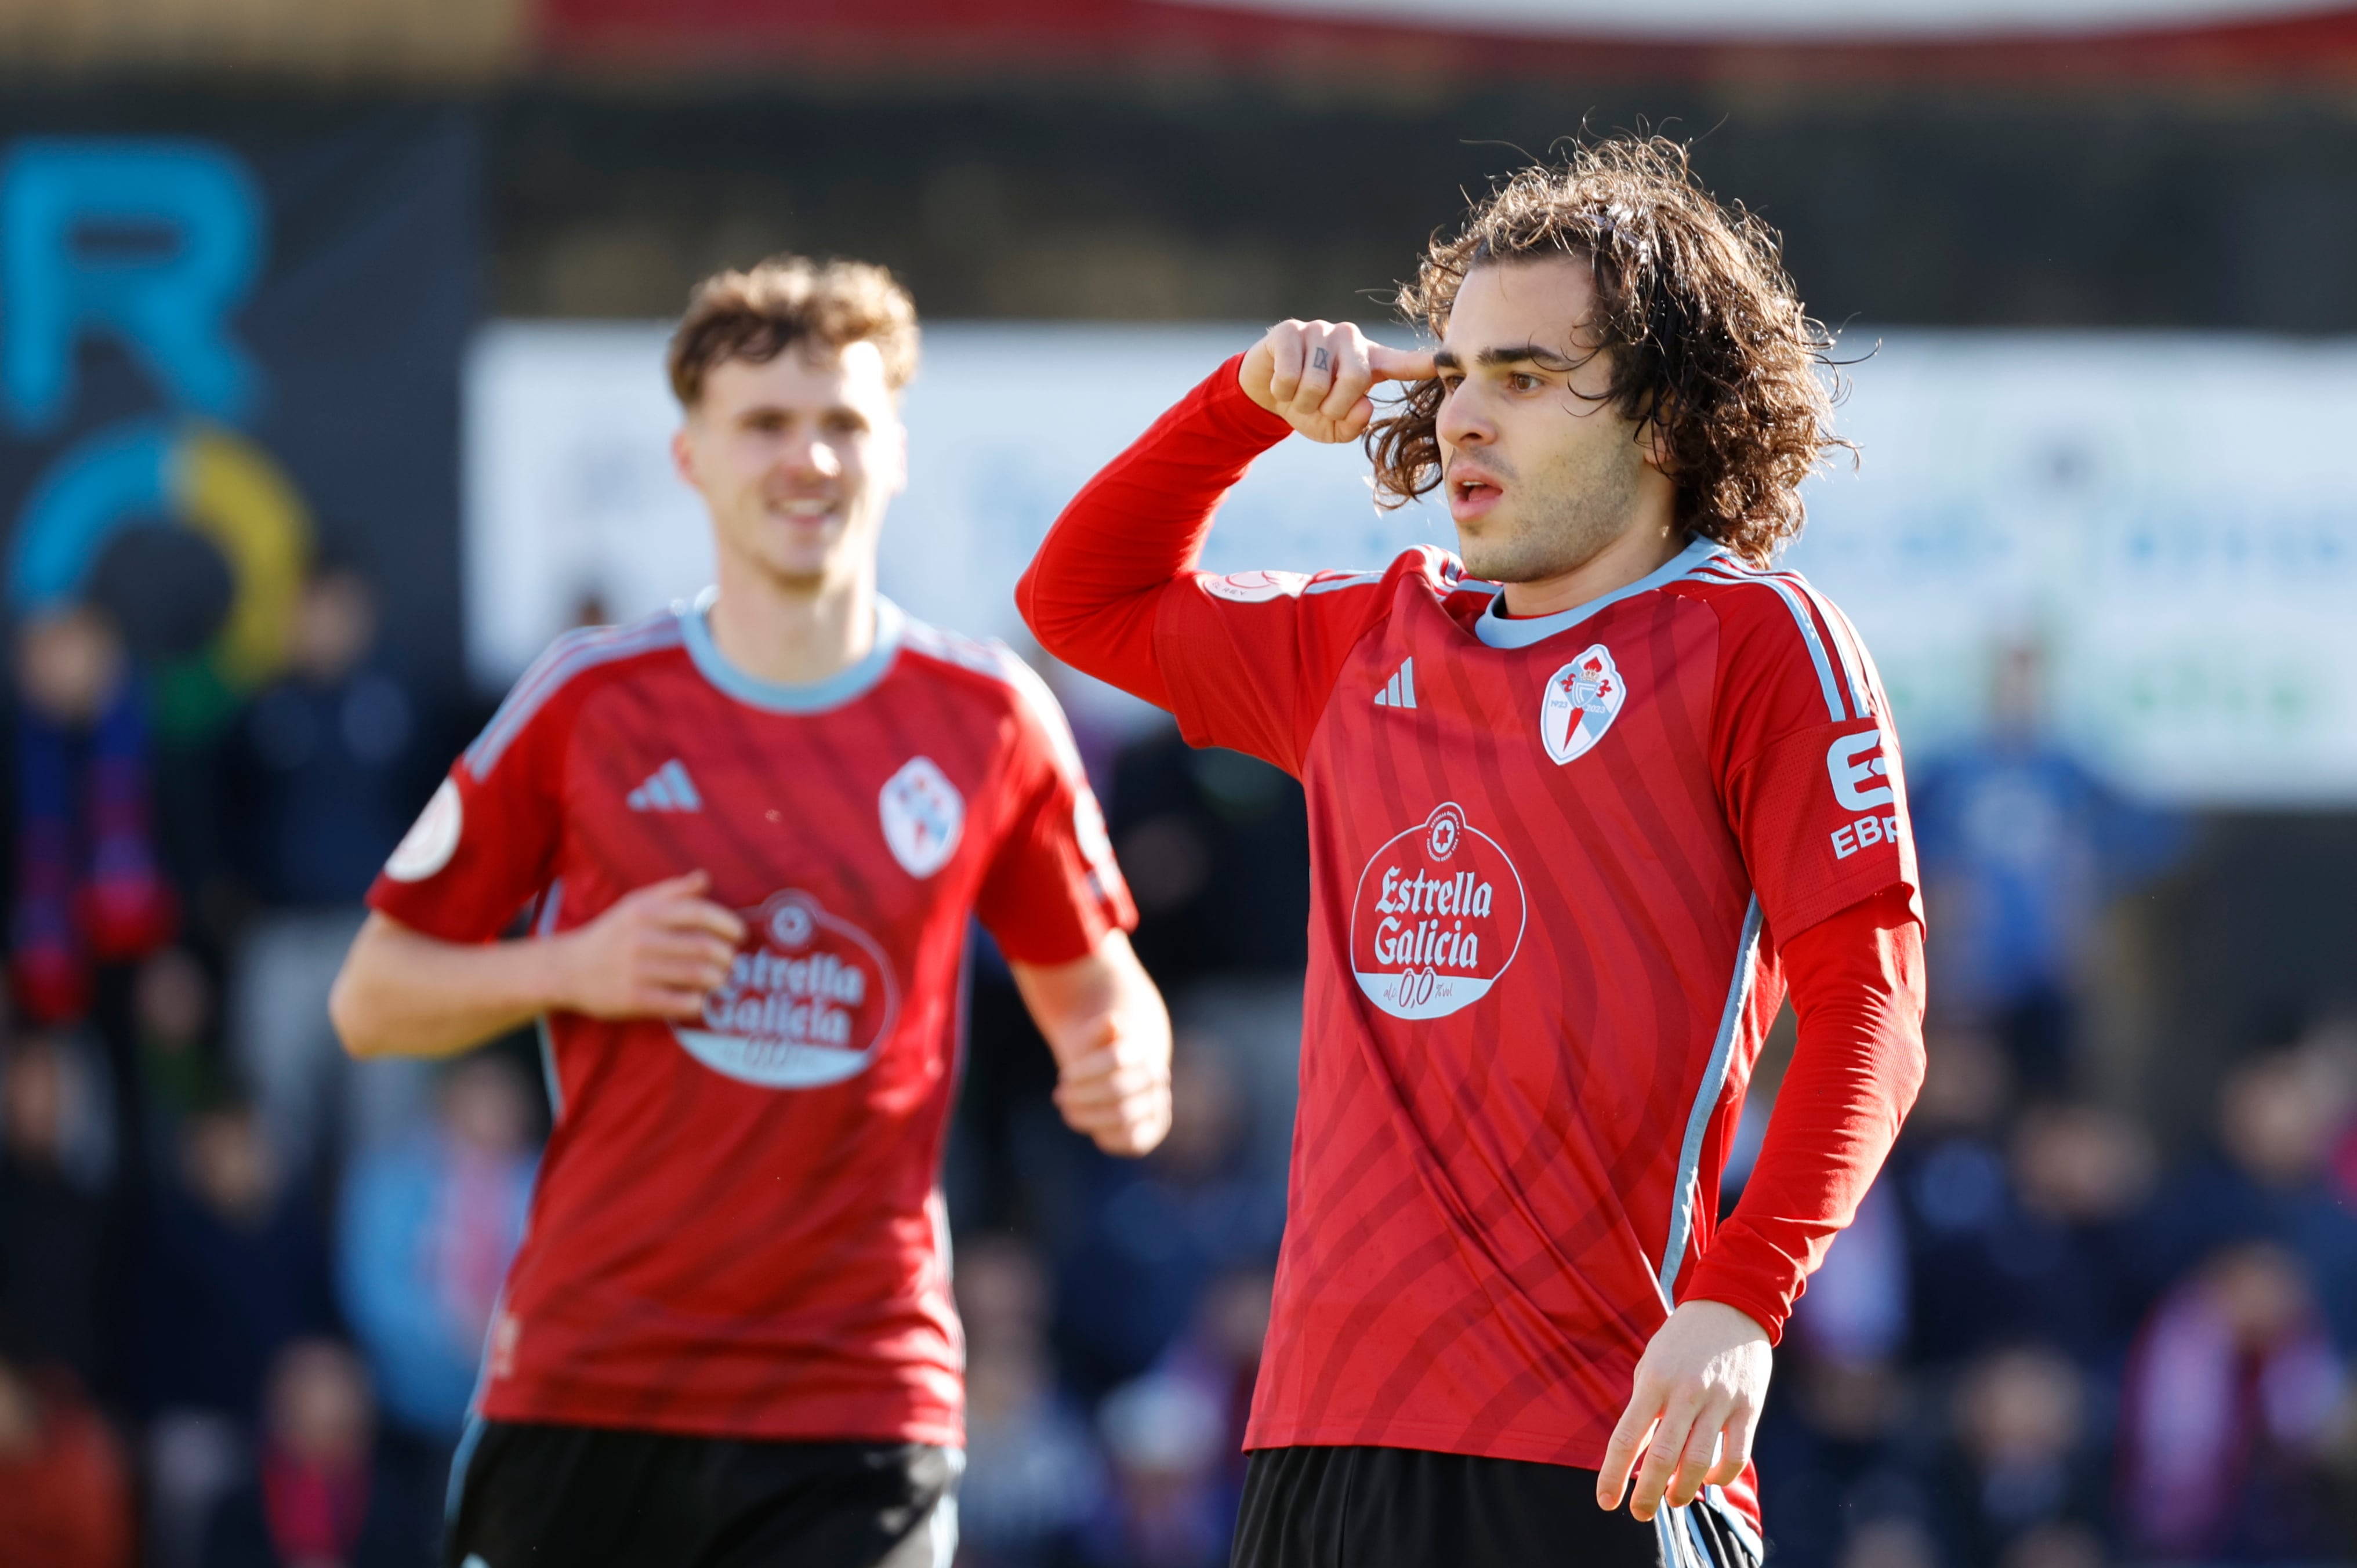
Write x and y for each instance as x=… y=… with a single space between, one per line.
x=758 y=313
x=1707 y=342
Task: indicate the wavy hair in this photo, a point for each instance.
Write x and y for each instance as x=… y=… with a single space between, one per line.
x=1707 y=340
x=758 y=314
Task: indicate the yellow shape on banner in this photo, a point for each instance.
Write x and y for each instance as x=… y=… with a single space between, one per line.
x=230 y=491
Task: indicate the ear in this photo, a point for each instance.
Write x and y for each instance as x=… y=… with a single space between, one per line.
x=683 y=457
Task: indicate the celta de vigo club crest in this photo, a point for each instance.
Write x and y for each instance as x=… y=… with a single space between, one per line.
x=1582 y=700
x=923 y=816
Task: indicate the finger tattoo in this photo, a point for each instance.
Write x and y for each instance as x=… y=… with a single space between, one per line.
x=1319 y=359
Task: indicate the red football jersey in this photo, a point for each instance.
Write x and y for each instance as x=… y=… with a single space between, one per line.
x=1554 y=864
x=1544 y=855
x=736 y=1230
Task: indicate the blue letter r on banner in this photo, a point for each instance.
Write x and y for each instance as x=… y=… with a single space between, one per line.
x=154 y=243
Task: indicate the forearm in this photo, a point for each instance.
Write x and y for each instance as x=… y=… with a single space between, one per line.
x=1857 y=995
x=1079 y=1007
x=402 y=992
x=1091 y=595
x=1111 y=1035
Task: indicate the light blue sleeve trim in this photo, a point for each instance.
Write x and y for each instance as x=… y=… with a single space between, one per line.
x=1496 y=629
x=1714 y=1080
x=795 y=697
x=1801 y=619
x=1846 y=645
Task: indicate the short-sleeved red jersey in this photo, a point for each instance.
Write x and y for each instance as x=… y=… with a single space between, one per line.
x=1554 y=862
x=736 y=1230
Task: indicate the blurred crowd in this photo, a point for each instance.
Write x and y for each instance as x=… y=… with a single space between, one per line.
x=245 y=1281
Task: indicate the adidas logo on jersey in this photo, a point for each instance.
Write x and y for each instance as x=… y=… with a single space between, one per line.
x=667 y=789
x=1399 y=691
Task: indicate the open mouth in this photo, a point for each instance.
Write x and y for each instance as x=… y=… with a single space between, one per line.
x=1470 y=493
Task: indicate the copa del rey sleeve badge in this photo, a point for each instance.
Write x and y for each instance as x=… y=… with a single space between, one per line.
x=1582 y=700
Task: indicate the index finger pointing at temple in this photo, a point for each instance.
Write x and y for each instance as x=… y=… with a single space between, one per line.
x=1399 y=364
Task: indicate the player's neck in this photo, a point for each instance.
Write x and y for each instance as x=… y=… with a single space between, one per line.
x=777 y=633
x=1642 y=549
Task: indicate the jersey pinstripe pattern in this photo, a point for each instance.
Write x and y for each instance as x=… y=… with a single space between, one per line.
x=1508 y=1148
x=736 y=1231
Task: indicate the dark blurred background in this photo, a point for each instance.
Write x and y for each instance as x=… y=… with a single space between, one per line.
x=2101 y=1308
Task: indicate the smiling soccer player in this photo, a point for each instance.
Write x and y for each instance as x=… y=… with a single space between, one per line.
x=1584 y=805
x=755 y=828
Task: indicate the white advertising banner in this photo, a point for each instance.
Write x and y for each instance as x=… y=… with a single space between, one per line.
x=571 y=497
x=2168 y=516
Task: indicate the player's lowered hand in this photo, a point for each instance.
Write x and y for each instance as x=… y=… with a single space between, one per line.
x=1694 y=1405
x=655 y=953
x=1117 y=1089
x=1317 y=375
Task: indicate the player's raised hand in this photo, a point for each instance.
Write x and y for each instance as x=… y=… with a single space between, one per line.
x=656 y=953
x=1697 y=1397
x=1117 y=1090
x=1316 y=374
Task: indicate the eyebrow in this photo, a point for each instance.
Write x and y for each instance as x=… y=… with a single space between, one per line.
x=769 y=410
x=1513 y=354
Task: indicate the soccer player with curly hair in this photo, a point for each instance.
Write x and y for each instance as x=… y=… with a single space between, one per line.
x=1589 y=801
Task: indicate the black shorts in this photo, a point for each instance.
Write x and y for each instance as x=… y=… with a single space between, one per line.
x=580 y=1496
x=1400 y=1508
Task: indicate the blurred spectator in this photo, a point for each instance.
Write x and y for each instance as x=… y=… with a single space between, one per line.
x=56 y=1230
x=1033 y=1474
x=326 y=779
x=2022 y=1480
x=1949 y=1168
x=320 y=1498
x=1895 y=1542
x=2229 y=1404
x=1839 y=1465
x=236 y=1269
x=1219 y=1352
x=1170 y=1506
x=65 y=1492
x=428 y=1228
x=1011 y=1160
x=1213 y=844
x=2279 y=1114
x=1857 y=1306
x=2020 y=847
x=88 y=885
x=1160 y=1228
x=172 y=1015
x=2084 y=1175
x=232 y=1270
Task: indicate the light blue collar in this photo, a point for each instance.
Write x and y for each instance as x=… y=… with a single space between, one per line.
x=790 y=697
x=1496 y=629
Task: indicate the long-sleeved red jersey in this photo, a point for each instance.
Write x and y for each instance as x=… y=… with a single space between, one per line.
x=1563 y=871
